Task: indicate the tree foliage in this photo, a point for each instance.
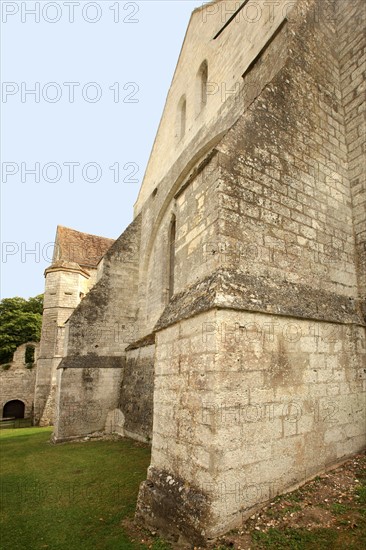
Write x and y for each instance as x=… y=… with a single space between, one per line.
x=20 y=322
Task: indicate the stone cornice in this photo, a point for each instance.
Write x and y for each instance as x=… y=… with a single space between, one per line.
x=227 y=289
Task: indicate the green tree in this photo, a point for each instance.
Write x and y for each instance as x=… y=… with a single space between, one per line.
x=20 y=322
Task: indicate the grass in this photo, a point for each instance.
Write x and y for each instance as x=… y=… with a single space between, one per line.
x=301 y=539
x=16 y=423
x=296 y=539
x=76 y=496
x=71 y=496
x=339 y=509
x=361 y=493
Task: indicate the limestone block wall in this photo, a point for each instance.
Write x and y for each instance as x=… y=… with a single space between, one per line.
x=99 y=330
x=247 y=406
x=18 y=381
x=189 y=188
x=137 y=392
x=86 y=391
x=196 y=215
x=64 y=290
x=280 y=178
x=244 y=38
x=259 y=366
x=352 y=50
x=286 y=198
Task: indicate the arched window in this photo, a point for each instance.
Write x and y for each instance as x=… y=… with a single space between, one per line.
x=181 y=118
x=201 y=87
x=172 y=231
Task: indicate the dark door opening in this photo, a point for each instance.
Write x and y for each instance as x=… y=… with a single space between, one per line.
x=14 y=409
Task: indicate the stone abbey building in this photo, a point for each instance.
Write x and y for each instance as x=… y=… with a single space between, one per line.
x=226 y=324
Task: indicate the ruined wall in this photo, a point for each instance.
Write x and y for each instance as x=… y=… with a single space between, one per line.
x=17 y=382
x=99 y=330
x=262 y=385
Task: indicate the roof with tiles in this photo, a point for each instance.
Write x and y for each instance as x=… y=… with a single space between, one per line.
x=79 y=248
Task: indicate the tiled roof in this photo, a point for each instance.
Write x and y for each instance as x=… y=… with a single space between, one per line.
x=80 y=248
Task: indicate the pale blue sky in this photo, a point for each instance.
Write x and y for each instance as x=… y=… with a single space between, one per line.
x=103 y=132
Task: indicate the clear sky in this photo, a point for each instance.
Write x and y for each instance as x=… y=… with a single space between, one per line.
x=83 y=89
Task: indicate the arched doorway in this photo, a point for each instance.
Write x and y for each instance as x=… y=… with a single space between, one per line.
x=14 y=409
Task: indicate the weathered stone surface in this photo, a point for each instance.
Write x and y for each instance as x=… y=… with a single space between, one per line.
x=260 y=353
x=17 y=382
x=143 y=342
x=137 y=391
x=101 y=327
x=70 y=277
x=237 y=295
x=167 y=500
x=227 y=289
x=248 y=405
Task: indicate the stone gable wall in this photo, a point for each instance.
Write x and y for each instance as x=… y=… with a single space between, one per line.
x=244 y=38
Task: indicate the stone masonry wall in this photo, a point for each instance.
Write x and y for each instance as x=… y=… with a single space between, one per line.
x=351 y=18
x=192 y=187
x=61 y=297
x=286 y=200
x=259 y=366
x=191 y=234
x=244 y=39
x=99 y=330
x=18 y=381
x=137 y=391
x=246 y=407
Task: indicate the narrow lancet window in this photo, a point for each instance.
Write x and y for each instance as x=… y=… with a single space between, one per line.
x=181 y=118
x=172 y=231
x=201 y=87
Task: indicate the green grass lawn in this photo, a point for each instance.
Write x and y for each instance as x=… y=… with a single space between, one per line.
x=76 y=496
x=71 y=496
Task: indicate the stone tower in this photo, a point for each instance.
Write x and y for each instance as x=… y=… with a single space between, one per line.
x=70 y=277
x=228 y=322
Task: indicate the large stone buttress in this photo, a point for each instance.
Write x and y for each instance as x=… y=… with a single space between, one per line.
x=260 y=363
